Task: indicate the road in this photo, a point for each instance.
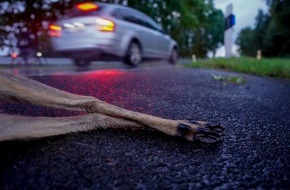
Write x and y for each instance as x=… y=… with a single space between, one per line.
x=59 y=66
x=254 y=153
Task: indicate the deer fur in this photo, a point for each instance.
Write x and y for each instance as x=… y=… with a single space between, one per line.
x=100 y=114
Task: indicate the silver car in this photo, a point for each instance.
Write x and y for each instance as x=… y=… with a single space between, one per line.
x=93 y=31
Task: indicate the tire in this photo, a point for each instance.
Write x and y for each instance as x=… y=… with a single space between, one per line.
x=173 y=59
x=134 y=54
x=81 y=63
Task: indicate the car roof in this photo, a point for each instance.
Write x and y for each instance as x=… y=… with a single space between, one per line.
x=109 y=7
x=112 y=6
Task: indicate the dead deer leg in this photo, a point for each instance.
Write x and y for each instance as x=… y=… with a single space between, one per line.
x=190 y=130
x=14 y=127
x=26 y=90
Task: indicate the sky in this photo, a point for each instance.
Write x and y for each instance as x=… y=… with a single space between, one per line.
x=245 y=12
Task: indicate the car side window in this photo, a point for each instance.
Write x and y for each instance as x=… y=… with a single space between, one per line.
x=135 y=17
x=150 y=23
x=125 y=15
x=154 y=25
x=131 y=18
x=117 y=13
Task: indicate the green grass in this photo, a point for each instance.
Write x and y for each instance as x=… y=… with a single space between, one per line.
x=265 y=67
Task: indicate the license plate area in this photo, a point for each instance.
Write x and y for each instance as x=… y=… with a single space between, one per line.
x=75 y=27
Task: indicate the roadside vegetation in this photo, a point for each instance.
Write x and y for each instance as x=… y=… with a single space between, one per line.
x=270 y=35
x=264 y=67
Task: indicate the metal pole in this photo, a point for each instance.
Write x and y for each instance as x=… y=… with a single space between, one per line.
x=228 y=34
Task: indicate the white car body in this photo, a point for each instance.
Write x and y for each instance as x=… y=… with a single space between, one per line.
x=109 y=30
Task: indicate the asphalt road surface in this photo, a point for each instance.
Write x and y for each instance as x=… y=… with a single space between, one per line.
x=254 y=153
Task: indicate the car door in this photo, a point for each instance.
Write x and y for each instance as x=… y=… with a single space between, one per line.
x=163 y=41
x=145 y=33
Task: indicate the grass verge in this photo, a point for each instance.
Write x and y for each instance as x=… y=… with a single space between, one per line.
x=265 y=67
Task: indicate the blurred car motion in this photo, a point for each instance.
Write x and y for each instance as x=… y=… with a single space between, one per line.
x=94 y=30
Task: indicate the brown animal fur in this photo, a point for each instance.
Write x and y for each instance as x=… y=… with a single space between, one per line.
x=100 y=114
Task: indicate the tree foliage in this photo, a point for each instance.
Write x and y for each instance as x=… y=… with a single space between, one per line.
x=196 y=25
x=245 y=42
x=271 y=33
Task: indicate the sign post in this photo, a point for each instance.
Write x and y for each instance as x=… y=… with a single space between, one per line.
x=228 y=34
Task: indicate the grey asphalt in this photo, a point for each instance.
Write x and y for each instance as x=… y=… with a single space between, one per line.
x=253 y=155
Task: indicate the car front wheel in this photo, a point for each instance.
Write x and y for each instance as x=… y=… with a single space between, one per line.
x=134 y=55
x=173 y=59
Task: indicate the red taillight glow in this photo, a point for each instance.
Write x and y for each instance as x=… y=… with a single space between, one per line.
x=55 y=30
x=87 y=6
x=105 y=25
x=14 y=55
x=55 y=27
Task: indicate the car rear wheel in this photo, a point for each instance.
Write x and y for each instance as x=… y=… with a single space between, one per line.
x=81 y=63
x=173 y=59
x=134 y=54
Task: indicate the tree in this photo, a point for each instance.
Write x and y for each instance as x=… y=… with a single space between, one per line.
x=271 y=33
x=17 y=16
x=277 y=39
x=260 y=30
x=214 y=31
x=246 y=43
x=196 y=25
x=202 y=26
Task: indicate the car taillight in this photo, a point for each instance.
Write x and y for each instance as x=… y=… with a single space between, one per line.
x=105 y=25
x=87 y=6
x=14 y=55
x=55 y=30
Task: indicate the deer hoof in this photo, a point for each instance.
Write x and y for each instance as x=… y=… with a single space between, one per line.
x=201 y=132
